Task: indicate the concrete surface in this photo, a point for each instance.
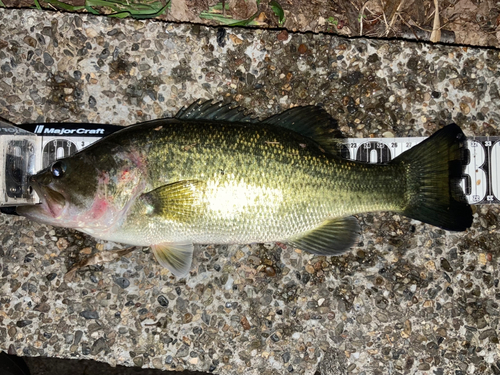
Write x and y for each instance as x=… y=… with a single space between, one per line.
x=409 y=299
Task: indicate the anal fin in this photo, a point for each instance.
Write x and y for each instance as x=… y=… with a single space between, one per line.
x=334 y=237
x=176 y=257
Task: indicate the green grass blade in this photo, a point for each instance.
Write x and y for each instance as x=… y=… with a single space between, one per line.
x=123 y=14
x=123 y=9
x=91 y=10
x=154 y=14
x=278 y=10
x=216 y=17
x=228 y=20
x=2 y=4
x=247 y=22
x=139 y=14
x=65 y=6
x=102 y=3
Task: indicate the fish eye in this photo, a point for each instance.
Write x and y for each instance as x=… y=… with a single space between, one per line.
x=58 y=169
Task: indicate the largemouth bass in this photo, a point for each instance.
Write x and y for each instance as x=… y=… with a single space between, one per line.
x=213 y=175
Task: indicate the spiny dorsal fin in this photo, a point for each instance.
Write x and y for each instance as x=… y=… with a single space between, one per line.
x=174 y=201
x=210 y=111
x=176 y=257
x=303 y=120
x=312 y=122
x=334 y=237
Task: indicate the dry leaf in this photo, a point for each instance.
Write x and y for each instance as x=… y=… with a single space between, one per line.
x=242 y=9
x=179 y=10
x=462 y=7
x=261 y=17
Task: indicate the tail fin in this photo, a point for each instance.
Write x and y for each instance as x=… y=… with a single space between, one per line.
x=434 y=169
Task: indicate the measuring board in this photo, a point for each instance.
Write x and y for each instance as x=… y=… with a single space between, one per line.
x=27 y=149
x=481 y=182
x=60 y=140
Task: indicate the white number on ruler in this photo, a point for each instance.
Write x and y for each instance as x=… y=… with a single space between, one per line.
x=494 y=172
x=475 y=182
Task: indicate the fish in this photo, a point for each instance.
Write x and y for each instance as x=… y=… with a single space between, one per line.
x=213 y=174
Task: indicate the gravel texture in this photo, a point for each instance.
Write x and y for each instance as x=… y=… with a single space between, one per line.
x=410 y=298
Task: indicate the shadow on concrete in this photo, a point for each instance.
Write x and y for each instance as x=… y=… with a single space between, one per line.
x=14 y=365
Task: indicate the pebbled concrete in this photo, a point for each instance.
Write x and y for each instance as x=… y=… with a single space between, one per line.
x=409 y=298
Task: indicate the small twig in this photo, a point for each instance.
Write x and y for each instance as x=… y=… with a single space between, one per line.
x=101 y=257
x=362 y=11
x=386 y=24
x=394 y=17
x=420 y=27
x=354 y=5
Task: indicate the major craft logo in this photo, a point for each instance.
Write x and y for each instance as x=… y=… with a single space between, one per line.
x=45 y=130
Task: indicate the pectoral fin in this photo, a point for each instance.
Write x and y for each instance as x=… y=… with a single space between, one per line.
x=334 y=237
x=176 y=257
x=175 y=201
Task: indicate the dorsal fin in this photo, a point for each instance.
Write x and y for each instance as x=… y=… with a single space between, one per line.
x=303 y=120
x=312 y=122
x=210 y=111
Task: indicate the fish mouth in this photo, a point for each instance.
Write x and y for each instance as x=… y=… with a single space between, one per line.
x=52 y=203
